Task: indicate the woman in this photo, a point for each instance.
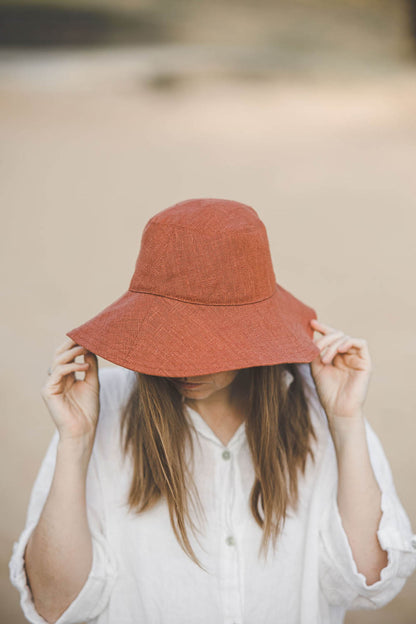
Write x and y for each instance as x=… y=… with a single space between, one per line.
x=223 y=471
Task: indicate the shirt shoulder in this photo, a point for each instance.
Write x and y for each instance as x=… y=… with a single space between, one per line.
x=316 y=410
x=116 y=385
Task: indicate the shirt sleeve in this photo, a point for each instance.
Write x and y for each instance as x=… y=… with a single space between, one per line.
x=339 y=578
x=97 y=589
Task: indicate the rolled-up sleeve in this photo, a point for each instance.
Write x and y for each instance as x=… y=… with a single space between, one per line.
x=97 y=589
x=340 y=580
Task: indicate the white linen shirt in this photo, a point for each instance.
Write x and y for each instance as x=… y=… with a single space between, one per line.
x=140 y=574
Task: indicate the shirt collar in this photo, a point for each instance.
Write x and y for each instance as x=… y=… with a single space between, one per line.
x=205 y=430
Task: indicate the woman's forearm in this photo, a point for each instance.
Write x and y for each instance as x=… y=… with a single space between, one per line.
x=359 y=496
x=58 y=556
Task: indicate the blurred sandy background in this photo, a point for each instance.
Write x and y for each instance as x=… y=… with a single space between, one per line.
x=304 y=110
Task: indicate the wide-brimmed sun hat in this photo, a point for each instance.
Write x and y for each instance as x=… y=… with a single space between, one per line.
x=203 y=298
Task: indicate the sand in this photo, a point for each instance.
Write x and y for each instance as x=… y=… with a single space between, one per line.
x=90 y=152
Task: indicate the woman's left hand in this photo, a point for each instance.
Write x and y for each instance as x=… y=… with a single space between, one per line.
x=341 y=372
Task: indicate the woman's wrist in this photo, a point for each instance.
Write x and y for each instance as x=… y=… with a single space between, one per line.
x=345 y=430
x=76 y=450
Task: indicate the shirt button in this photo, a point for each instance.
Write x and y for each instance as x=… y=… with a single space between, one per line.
x=226 y=454
x=413 y=542
x=230 y=540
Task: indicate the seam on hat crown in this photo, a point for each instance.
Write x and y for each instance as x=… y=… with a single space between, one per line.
x=209 y=252
x=225 y=269
x=202 y=303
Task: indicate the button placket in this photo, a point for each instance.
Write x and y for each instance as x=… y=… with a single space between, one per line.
x=230 y=538
x=230 y=567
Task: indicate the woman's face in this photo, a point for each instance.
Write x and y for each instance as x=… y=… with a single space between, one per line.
x=204 y=386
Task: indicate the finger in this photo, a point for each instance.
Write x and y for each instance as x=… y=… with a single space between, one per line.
x=356 y=353
x=64 y=369
x=69 y=355
x=92 y=370
x=66 y=344
x=329 y=352
x=356 y=345
x=360 y=343
x=328 y=339
x=322 y=327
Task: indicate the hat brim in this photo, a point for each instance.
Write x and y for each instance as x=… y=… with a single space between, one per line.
x=170 y=338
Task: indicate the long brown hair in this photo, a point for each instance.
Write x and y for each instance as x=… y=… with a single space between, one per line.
x=154 y=429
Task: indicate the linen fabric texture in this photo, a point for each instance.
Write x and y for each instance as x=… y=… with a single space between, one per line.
x=203 y=298
x=140 y=573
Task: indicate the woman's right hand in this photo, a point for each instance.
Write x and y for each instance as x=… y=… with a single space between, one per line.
x=74 y=404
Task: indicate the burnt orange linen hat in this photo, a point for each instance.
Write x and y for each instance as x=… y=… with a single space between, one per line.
x=203 y=298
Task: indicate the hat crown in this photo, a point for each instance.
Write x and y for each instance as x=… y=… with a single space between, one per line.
x=207 y=251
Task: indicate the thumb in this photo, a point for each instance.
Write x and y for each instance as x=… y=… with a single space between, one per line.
x=316 y=365
x=92 y=370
